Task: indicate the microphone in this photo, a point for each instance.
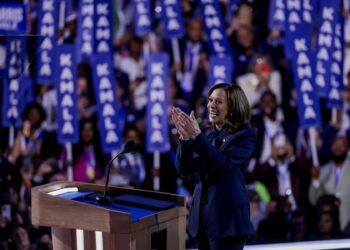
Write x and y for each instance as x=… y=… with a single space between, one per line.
x=130 y=146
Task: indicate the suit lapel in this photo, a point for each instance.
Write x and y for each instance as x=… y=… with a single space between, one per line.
x=227 y=138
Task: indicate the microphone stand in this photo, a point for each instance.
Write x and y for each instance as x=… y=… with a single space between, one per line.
x=104 y=199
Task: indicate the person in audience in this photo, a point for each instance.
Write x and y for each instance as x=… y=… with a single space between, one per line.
x=333 y=178
x=29 y=139
x=261 y=77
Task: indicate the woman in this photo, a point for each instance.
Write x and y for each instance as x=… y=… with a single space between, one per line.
x=88 y=160
x=219 y=216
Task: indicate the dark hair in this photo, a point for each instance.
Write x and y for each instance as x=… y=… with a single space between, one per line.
x=38 y=107
x=238 y=114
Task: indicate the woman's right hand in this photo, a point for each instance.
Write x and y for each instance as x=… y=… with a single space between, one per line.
x=180 y=126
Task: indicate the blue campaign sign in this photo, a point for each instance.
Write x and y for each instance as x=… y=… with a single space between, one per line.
x=220 y=69
x=12 y=99
x=85 y=30
x=277 y=15
x=337 y=84
x=67 y=97
x=103 y=26
x=329 y=12
x=215 y=28
x=46 y=41
x=11 y=103
x=298 y=18
x=16 y=47
x=106 y=100
x=308 y=102
x=157 y=134
x=13 y=18
x=142 y=17
x=172 y=19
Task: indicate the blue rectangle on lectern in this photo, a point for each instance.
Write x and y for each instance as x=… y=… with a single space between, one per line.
x=137 y=206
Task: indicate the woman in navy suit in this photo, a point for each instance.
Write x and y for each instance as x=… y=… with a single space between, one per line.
x=219 y=215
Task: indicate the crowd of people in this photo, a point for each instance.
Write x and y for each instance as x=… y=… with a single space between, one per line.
x=291 y=199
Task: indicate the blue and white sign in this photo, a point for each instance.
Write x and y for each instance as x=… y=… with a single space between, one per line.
x=47 y=29
x=142 y=17
x=172 y=19
x=13 y=18
x=16 y=47
x=277 y=17
x=337 y=67
x=308 y=102
x=214 y=27
x=104 y=26
x=85 y=30
x=12 y=99
x=157 y=134
x=106 y=100
x=329 y=12
x=11 y=103
x=67 y=97
x=299 y=18
x=220 y=70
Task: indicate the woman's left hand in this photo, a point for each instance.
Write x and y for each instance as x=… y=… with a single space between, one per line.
x=190 y=124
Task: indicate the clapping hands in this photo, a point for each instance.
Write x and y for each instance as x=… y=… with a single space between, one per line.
x=186 y=125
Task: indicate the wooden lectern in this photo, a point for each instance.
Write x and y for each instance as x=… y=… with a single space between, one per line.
x=137 y=219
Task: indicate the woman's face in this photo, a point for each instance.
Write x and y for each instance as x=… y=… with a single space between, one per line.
x=217 y=107
x=87 y=133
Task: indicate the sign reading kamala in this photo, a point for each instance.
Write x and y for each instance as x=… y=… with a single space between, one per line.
x=142 y=17
x=104 y=26
x=308 y=103
x=15 y=47
x=329 y=10
x=47 y=29
x=66 y=87
x=85 y=30
x=12 y=18
x=214 y=27
x=106 y=99
x=337 y=83
x=172 y=19
x=220 y=69
x=157 y=135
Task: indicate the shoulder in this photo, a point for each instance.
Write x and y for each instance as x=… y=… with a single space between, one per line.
x=246 y=131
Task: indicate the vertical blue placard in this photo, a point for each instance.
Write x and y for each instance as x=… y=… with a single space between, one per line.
x=103 y=26
x=308 y=102
x=13 y=18
x=299 y=16
x=329 y=12
x=172 y=19
x=106 y=100
x=277 y=16
x=11 y=103
x=220 y=70
x=85 y=30
x=157 y=134
x=67 y=97
x=215 y=28
x=12 y=99
x=337 y=84
x=46 y=42
x=142 y=17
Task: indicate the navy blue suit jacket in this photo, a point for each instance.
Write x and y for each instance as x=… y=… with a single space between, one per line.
x=220 y=193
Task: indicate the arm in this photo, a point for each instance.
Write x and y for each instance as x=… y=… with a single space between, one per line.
x=184 y=158
x=236 y=156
